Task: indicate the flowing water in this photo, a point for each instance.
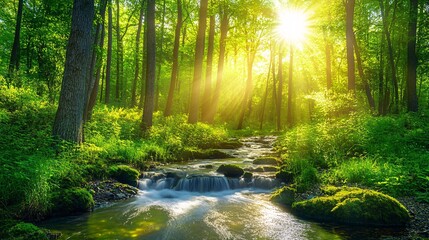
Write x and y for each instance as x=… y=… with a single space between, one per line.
x=192 y=201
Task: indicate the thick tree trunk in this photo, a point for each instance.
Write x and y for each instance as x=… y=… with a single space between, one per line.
x=149 y=100
x=118 y=54
x=144 y=63
x=175 y=69
x=350 y=6
x=222 y=48
x=249 y=85
x=160 y=58
x=290 y=100
x=412 y=102
x=136 y=58
x=280 y=90
x=264 y=99
x=198 y=64
x=15 y=53
x=68 y=123
x=366 y=86
x=206 y=105
x=109 y=53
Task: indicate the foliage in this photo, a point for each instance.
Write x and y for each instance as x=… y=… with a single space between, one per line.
x=26 y=231
x=354 y=206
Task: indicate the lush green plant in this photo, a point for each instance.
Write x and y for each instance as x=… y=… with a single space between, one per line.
x=26 y=231
x=73 y=200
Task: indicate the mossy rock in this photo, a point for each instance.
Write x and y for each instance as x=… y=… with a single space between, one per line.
x=73 y=200
x=266 y=161
x=248 y=176
x=284 y=195
x=124 y=174
x=189 y=154
x=285 y=176
x=230 y=170
x=354 y=206
x=26 y=231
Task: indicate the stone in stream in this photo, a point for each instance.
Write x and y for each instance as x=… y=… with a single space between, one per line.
x=266 y=161
x=230 y=170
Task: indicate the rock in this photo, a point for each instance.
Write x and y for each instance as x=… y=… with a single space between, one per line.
x=354 y=206
x=190 y=154
x=247 y=176
x=110 y=190
x=266 y=161
x=72 y=201
x=124 y=174
x=230 y=170
x=284 y=195
x=26 y=231
x=270 y=169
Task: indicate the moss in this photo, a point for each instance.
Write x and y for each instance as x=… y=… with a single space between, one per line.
x=26 y=231
x=124 y=174
x=266 y=161
x=354 y=206
x=230 y=170
x=284 y=195
x=248 y=176
x=189 y=154
x=71 y=201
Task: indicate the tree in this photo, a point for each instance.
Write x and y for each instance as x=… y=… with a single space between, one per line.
x=136 y=57
x=198 y=63
x=280 y=90
x=208 y=83
x=109 y=53
x=350 y=6
x=149 y=101
x=68 y=122
x=15 y=53
x=412 y=102
x=175 y=68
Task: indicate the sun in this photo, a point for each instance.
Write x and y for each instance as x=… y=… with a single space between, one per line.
x=292 y=26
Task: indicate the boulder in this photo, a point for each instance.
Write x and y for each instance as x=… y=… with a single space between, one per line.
x=266 y=161
x=354 y=206
x=284 y=195
x=124 y=174
x=72 y=201
x=26 y=231
x=230 y=170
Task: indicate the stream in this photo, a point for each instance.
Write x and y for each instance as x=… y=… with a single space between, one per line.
x=191 y=201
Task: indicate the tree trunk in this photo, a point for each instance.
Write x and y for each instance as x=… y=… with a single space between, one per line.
x=366 y=86
x=160 y=57
x=280 y=90
x=290 y=100
x=175 y=69
x=151 y=68
x=264 y=99
x=93 y=79
x=208 y=83
x=118 y=53
x=412 y=101
x=144 y=63
x=15 y=53
x=136 y=58
x=109 y=53
x=249 y=85
x=391 y=59
x=68 y=122
x=328 y=65
x=198 y=64
x=350 y=6
x=222 y=48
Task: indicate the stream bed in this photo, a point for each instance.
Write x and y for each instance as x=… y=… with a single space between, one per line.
x=192 y=201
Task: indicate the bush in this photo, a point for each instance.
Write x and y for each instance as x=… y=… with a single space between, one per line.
x=71 y=201
x=230 y=170
x=124 y=174
x=354 y=206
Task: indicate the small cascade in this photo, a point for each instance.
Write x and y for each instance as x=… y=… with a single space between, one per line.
x=204 y=184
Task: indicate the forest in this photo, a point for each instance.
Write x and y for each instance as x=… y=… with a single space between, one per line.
x=171 y=116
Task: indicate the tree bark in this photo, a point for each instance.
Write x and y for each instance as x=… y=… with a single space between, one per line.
x=68 y=122
x=222 y=48
x=350 y=5
x=412 y=101
x=160 y=57
x=198 y=64
x=149 y=100
x=118 y=54
x=249 y=85
x=264 y=99
x=15 y=53
x=109 y=53
x=208 y=83
x=328 y=65
x=136 y=57
x=175 y=69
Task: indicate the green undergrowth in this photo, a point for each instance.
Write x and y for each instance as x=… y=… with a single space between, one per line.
x=387 y=153
x=36 y=169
